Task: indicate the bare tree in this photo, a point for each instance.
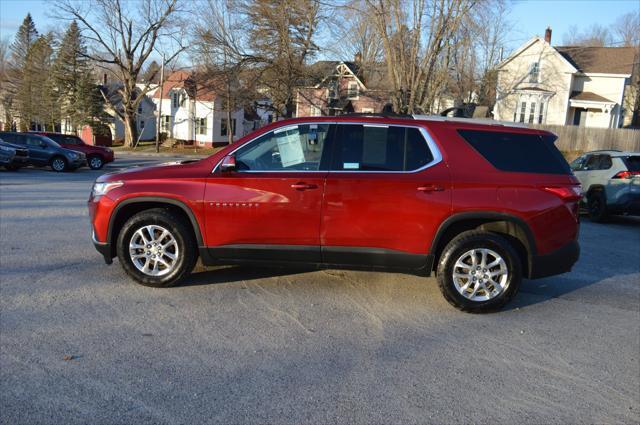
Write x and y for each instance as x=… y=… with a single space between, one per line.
x=594 y=36
x=123 y=35
x=627 y=29
x=414 y=35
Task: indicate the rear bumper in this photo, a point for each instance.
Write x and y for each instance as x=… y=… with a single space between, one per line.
x=628 y=203
x=557 y=262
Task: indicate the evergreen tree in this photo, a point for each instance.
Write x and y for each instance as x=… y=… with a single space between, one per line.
x=18 y=98
x=36 y=102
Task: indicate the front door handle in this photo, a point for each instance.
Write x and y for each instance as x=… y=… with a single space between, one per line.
x=428 y=188
x=303 y=186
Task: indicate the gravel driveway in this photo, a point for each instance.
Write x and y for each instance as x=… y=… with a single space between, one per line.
x=81 y=343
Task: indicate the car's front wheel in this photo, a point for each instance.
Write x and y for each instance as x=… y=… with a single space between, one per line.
x=96 y=162
x=479 y=272
x=58 y=164
x=157 y=248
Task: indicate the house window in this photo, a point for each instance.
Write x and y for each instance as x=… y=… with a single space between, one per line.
x=333 y=89
x=523 y=110
x=141 y=124
x=139 y=109
x=165 y=122
x=183 y=99
x=352 y=90
x=201 y=126
x=315 y=111
x=532 y=111
x=541 y=113
x=534 y=72
x=175 y=100
x=224 y=127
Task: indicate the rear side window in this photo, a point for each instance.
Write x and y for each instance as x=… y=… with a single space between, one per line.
x=380 y=148
x=12 y=138
x=517 y=152
x=55 y=137
x=632 y=163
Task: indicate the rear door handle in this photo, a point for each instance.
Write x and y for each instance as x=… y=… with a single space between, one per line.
x=427 y=188
x=303 y=186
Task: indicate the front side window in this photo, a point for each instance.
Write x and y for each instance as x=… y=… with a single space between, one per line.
x=293 y=148
x=593 y=163
x=380 y=148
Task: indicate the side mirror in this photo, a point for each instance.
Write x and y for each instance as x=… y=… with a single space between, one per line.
x=228 y=164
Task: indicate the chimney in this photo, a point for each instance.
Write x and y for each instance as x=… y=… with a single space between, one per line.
x=547 y=35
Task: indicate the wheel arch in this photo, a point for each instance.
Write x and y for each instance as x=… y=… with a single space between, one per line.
x=513 y=228
x=127 y=208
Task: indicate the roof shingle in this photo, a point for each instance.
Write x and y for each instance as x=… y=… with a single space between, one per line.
x=606 y=60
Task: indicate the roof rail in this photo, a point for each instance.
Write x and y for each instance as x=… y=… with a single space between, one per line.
x=485 y=121
x=377 y=115
x=606 y=150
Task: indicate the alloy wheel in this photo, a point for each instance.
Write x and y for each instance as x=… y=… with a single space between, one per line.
x=58 y=164
x=480 y=274
x=95 y=162
x=153 y=250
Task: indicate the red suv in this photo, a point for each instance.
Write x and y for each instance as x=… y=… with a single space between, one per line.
x=97 y=156
x=482 y=205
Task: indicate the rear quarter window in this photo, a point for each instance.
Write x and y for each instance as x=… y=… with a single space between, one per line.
x=632 y=162
x=518 y=152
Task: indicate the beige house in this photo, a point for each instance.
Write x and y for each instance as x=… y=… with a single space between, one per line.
x=568 y=85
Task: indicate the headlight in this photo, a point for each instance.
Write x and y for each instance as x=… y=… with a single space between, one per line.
x=5 y=148
x=100 y=189
x=73 y=155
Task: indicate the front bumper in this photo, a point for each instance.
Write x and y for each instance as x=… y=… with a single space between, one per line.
x=103 y=248
x=81 y=162
x=556 y=262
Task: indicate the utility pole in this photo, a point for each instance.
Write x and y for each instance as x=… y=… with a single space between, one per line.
x=159 y=120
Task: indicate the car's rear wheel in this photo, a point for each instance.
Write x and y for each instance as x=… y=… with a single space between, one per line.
x=58 y=164
x=479 y=272
x=597 y=206
x=157 y=248
x=95 y=162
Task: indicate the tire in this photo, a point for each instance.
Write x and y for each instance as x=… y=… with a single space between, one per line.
x=58 y=164
x=184 y=250
x=597 y=206
x=496 y=292
x=95 y=162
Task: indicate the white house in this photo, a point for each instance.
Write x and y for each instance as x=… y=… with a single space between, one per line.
x=568 y=85
x=191 y=111
x=145 y=116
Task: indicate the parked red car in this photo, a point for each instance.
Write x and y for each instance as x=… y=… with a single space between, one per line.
x=97 y=156
x=482 y=205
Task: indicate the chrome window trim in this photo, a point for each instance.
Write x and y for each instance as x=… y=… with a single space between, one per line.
x=433 y=147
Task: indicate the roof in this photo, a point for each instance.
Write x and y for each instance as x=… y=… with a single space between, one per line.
x=605 y=60
x=588 y=96
x=189 y=81
x=320 y=70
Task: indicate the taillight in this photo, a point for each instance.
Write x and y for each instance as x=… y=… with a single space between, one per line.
x=567 y=194
x=626 y=174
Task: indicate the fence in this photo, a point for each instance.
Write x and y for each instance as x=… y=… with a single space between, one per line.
x=584 y=139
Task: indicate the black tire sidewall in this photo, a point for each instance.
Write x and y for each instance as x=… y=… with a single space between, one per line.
x=465 y=243
x=601 y=213
x=179 y=232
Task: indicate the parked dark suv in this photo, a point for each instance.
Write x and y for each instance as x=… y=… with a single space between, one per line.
x=13 y=157
x=97 y=156
x=483 y=205
x=45 y=152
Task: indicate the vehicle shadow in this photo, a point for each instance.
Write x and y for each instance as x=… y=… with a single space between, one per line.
x=231 y=274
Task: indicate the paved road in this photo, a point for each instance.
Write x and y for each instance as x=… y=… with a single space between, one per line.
x=241 y=345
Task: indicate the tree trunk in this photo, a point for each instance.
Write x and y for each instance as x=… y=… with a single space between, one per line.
x=130 y=129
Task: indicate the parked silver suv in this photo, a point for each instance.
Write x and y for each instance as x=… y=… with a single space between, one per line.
x=610 y=182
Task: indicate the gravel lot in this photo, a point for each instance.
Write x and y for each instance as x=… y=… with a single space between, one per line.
x=242 y=345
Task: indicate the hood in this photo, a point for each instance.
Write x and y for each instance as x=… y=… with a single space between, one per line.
x=166 y=170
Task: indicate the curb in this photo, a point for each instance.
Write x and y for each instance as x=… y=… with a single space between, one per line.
x=158 y=155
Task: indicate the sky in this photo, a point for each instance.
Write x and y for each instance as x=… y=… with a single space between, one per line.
x=528 y=17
